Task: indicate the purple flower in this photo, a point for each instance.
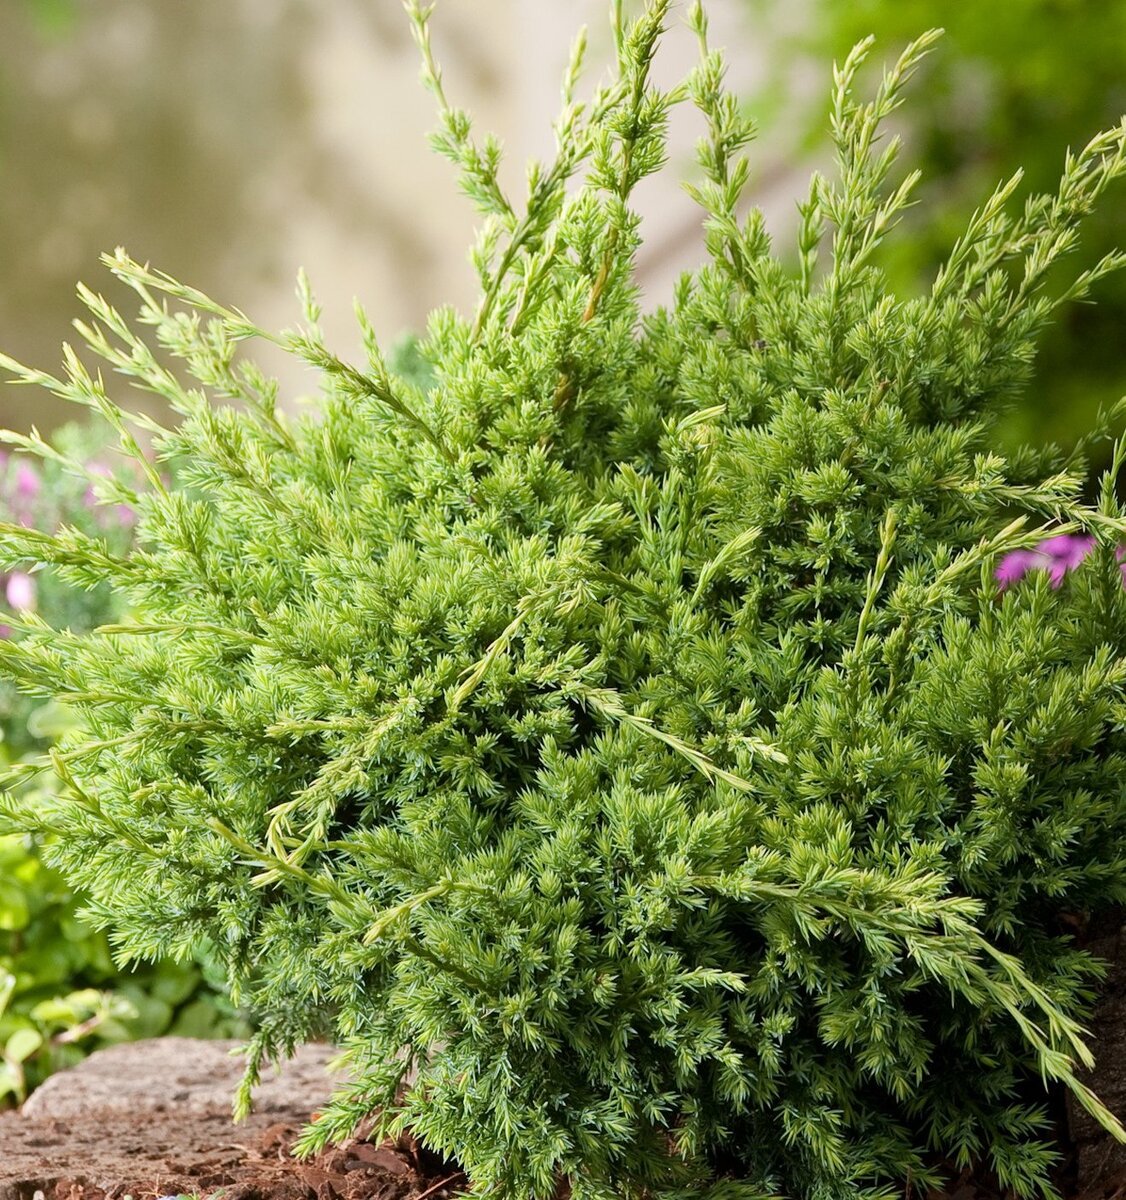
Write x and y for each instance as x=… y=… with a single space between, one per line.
x=1066 y=551
x=1056 y=555
x=1013 y=567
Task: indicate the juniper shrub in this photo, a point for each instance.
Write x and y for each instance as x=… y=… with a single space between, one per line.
x=611 y=729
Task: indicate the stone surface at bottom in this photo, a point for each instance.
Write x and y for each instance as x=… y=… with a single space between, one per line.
x=159 y=1109
x=188 y=1074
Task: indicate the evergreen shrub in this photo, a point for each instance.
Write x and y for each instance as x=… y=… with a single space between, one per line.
x=610 y=728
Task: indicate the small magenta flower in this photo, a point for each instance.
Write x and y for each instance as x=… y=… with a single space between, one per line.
x=1014 y=566
x=20 y=590
x=1067 y=551
x=1056 y=555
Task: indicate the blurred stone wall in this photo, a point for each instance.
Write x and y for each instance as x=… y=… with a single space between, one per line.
x=231 y=142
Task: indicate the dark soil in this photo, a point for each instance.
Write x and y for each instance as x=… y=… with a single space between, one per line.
x=1097 y=1156
x=203 y=1155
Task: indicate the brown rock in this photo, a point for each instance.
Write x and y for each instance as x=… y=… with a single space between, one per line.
x=153 y=1119
x=158 y=1110
x=180 y=1074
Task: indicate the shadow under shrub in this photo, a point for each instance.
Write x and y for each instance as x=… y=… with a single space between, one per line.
x=614 y=733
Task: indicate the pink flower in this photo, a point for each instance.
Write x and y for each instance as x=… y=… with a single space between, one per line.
x=27 y=482
x=1013 y=567
x=21 y=590
x=1057 y=555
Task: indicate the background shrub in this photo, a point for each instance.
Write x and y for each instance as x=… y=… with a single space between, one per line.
x=614 y=732
x=61 y=995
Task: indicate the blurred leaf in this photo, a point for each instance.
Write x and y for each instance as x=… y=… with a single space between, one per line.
x=53 y=16
x=11 y=1081
x=68 y=1010
x=22 y=1045
x=151 y=1016
x=175 y=984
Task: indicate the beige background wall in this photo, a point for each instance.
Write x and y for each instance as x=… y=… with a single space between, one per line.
x=233 y=141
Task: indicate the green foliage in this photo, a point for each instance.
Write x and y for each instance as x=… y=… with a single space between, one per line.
x=1015 y=82
x=609 y=727
x=60 y=994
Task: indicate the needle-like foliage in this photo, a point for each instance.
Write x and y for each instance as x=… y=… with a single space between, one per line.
x=610 y=728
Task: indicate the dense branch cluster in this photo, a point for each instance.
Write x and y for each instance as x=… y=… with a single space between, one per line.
x=608 y=725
